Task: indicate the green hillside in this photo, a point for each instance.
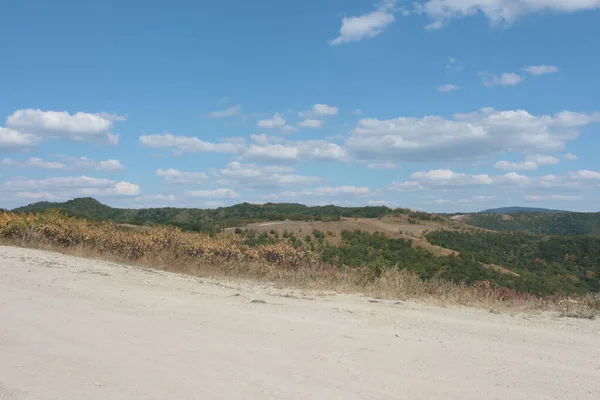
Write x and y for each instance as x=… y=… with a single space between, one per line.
x=563 y=223
x=517 y=210
x=546 y=264
x=207 y=220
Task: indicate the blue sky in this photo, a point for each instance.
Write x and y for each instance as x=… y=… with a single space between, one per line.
x=441 y=105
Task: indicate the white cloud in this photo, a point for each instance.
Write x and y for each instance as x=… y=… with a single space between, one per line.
x=311 y=123
x=214 y=194
x=59 y=182
x=294 y=151
x=127 y=189
x=476 y=199
x=110 y=165
x=62 y=125
x=319 y=110
x=87 y=163
x=187 y=144
x=324 y=110
x=358 y=112
x=506 y=79
x=531 y=162
x=38 y=196
x=447 y=88
x=408 y=186
x=513 y=179
x=554 y=197
x=70 y=187
x=465 y=137
x=542 y=159
x=288 y=129
x=229 y=112
x=368 y=25
x=175 y=176
x=449 y=178
x=570 y=157
x=33 y=162
x=499 y=11
x=12 y=140
x=159 y=197
x=262 y=177
x=434 y=26
x=276 y=122
x=330 y=192
x=385 y=203
x=516 y=166
x=453 y=64
x=541 y=69
x=382 y=166
x=584 y=175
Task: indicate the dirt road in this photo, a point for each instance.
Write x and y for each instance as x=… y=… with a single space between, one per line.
x=79 y=329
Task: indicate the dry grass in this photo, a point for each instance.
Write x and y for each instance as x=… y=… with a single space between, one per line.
x=200 y=255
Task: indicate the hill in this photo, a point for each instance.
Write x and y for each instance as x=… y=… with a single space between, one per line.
x=208 y=220
x=557 y=223
x=518 y=210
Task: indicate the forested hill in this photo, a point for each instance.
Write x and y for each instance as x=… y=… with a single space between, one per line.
x=518 y=210
x=209 y=219
x=562 y=223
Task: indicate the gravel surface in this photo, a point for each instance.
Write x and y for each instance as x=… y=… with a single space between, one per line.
x=74 y=328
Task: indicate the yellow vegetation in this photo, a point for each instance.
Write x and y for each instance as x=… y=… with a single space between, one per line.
x=57 y=229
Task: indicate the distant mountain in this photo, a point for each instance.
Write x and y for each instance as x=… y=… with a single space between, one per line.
x=517 y=210
x=206 y=220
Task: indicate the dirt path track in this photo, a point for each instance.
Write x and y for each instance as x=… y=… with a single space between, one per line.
x=80 y=329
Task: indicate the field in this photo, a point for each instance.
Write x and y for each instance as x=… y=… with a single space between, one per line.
x=394 y=227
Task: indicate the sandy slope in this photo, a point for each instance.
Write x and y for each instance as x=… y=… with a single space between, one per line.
x=80 y=329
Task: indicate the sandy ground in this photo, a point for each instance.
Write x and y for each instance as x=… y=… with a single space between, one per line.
x=82 y=329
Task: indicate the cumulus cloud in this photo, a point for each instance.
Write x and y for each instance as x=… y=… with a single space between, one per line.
x=79 y=127
x=175 y=176
x=214 y=194
x=554 y=197
x=229 y=112
x=69 y=187
x=87 y=163
x=311 y=123
x=516 y=166
x=15 y=141
x=33 y=162
x=366 y=26
x=319 y=111
x=570 y=157
x=464 y=137
x=506 y=79
x=294 y=151
x=447 y=88
x=276 y=122
x=450 y=179
x=541 y=69
x=498 y=11
x=531 y=162
x=186 y=144
x=328 y=191
x=126 y=189
x=382 y=166
x=262 y=177
x=445 y=180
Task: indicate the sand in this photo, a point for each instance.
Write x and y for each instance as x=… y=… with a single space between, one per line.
x=74 y=328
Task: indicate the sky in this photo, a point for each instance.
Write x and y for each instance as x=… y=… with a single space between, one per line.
x=437 y=105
